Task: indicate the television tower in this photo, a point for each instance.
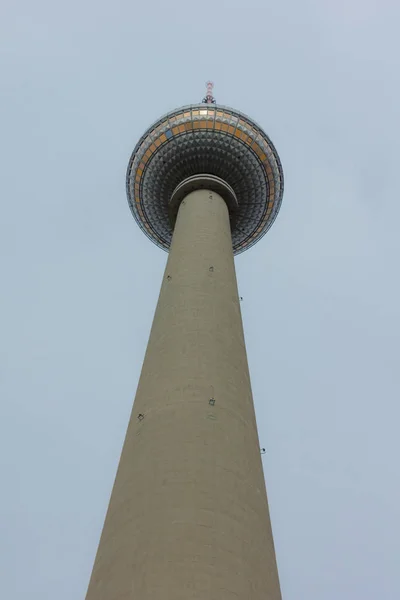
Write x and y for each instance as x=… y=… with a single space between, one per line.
x=188 y=517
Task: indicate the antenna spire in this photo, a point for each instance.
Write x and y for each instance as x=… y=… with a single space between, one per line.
x=209 y=98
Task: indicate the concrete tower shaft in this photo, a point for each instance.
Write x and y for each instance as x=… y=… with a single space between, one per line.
x=188 y=516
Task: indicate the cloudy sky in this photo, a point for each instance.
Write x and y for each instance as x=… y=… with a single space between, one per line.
x=79 y=83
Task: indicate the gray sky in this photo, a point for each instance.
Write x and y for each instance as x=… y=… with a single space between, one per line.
x=79 y=84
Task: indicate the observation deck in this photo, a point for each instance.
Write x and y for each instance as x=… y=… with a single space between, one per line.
x=208 y=139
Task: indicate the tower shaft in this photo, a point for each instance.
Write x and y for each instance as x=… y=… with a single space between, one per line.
x=188 y=516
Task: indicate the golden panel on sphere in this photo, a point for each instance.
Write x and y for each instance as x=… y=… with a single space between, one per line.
x=259 y=152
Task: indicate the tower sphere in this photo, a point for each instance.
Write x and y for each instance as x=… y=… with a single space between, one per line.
x=207 y=139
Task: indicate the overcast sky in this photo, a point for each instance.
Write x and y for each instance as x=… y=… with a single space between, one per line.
x=79 y=83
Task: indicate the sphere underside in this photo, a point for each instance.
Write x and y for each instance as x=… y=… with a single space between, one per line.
x=200 y=139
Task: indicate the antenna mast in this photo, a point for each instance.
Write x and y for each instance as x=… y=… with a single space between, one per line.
x=209 y=98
